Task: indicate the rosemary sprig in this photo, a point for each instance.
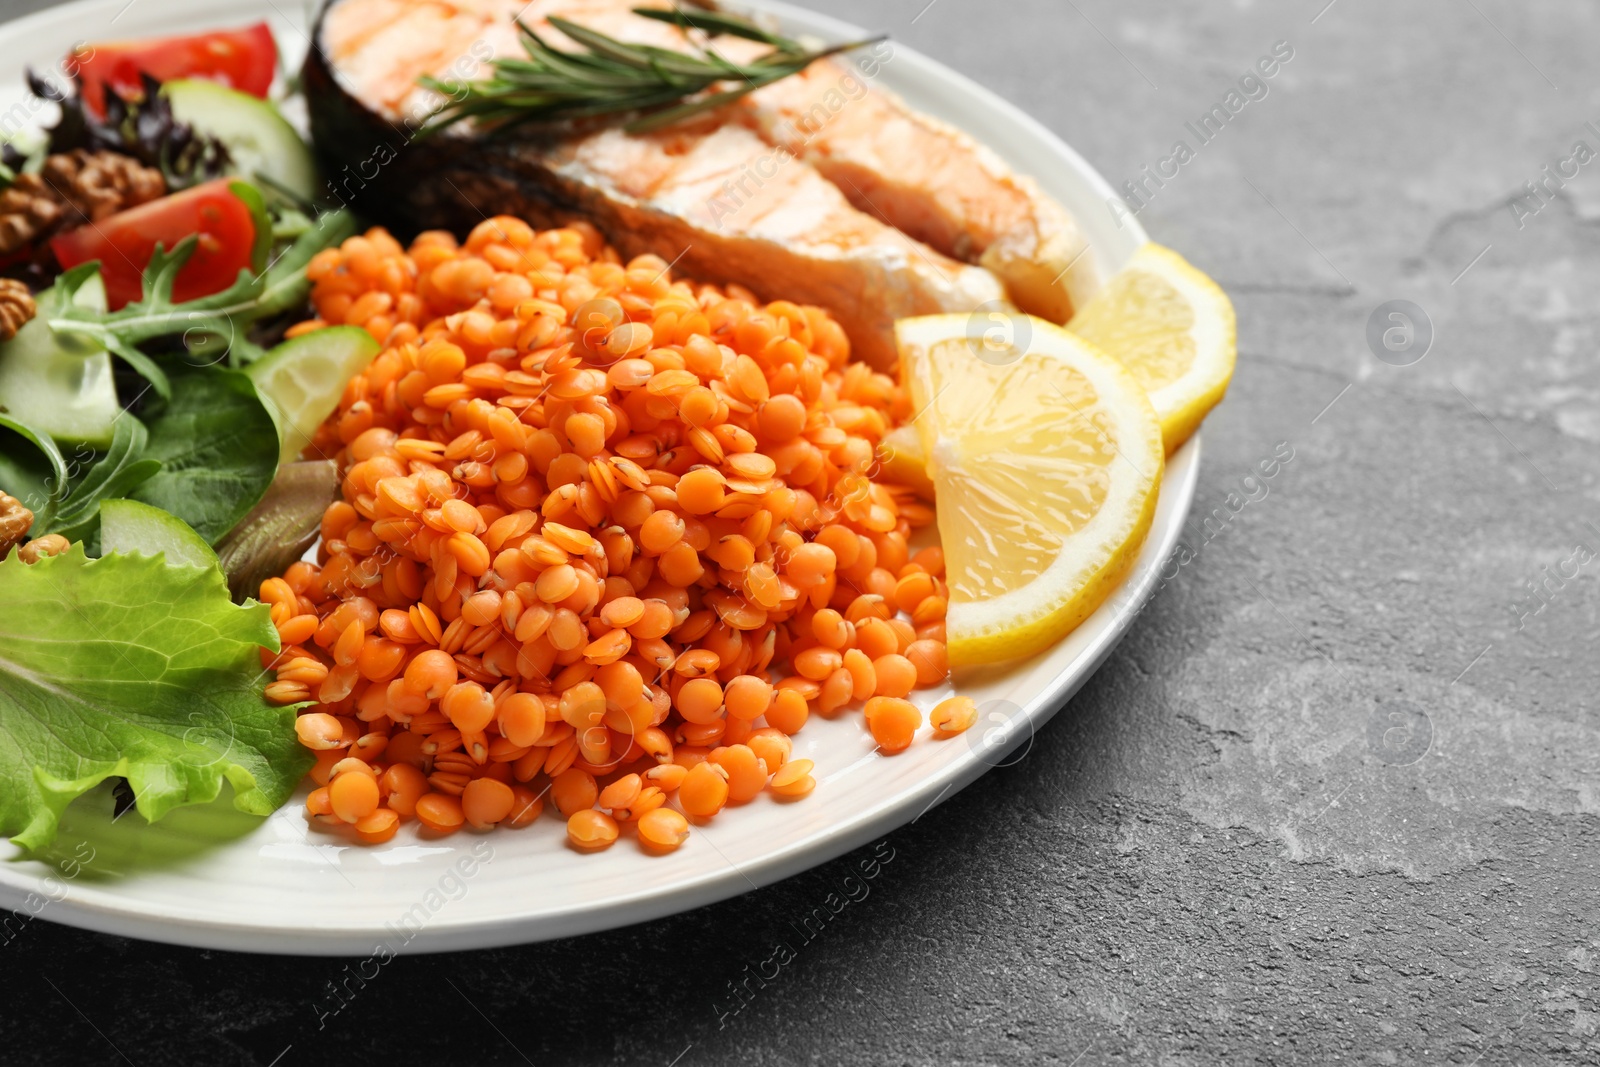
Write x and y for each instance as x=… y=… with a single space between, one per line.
x=612 y=78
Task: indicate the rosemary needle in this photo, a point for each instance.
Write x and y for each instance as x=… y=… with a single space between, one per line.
x=609 y=77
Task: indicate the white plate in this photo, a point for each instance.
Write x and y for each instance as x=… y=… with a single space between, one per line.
x=212 y=877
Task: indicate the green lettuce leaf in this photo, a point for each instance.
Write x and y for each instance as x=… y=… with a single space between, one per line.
x=127 y=666
x=218 y=449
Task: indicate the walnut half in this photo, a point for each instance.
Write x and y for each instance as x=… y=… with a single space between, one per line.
x=15 y=519
x=73 y=189
x=16 y=308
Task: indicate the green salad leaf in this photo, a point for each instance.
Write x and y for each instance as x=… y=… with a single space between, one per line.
x=218 y=449
x=261 y=253
x=122 y=469
x=32 y=468
x=132 y=665
x=127 y=666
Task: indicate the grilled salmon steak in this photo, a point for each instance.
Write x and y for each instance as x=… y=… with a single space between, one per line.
x=870 y=209
x=932 y=182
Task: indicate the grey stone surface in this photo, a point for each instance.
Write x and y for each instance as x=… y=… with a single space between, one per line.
x=1221 y=851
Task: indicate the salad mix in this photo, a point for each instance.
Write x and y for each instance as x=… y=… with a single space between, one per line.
x=154 y=244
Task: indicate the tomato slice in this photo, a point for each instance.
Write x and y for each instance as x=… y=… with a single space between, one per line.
x=125 y=242
x=243 y=59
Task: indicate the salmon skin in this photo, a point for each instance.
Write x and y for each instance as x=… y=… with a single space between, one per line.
x=749 y=195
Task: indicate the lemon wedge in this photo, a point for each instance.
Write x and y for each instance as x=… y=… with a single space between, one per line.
x=900 y=461
x=1173 y=328
x=1046 y=458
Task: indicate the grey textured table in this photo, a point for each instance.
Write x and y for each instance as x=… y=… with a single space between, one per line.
x=1334 y=799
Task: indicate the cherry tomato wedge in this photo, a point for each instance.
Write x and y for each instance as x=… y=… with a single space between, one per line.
x=244 y=59
x=125 y=242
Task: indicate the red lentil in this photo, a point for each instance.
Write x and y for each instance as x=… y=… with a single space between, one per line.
x=380 y=826
x=930 y=660
x=896 y=675
x=704 y=790
x=793 y=780
x=353 y=796
x=893 y=722
x=663 y=829
x=485 y=802
x=952 y=716
x=788 y=711
x=605 y=535
x=440 y=812
x=744 y=770
x=591 y=830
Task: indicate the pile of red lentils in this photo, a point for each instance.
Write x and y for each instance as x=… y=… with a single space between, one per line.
x=607 y=538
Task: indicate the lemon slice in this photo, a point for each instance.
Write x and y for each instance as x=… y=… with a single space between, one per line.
x=900 y=461
x=1046 y=459
x=1173 y=328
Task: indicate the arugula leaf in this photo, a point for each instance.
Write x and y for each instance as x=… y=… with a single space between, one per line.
x=262 y=221
x=128 y=666
x=34 y=476
x=286 y=284
x=218 y=447
x=208 y=321
x=116 y=474
x=70 y=321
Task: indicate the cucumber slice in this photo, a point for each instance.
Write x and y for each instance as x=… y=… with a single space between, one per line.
x=302 y=380
x=259 y=139
x=130 y=526
x=61 y=385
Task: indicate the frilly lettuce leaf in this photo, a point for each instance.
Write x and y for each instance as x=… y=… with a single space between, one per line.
x=126 y=666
